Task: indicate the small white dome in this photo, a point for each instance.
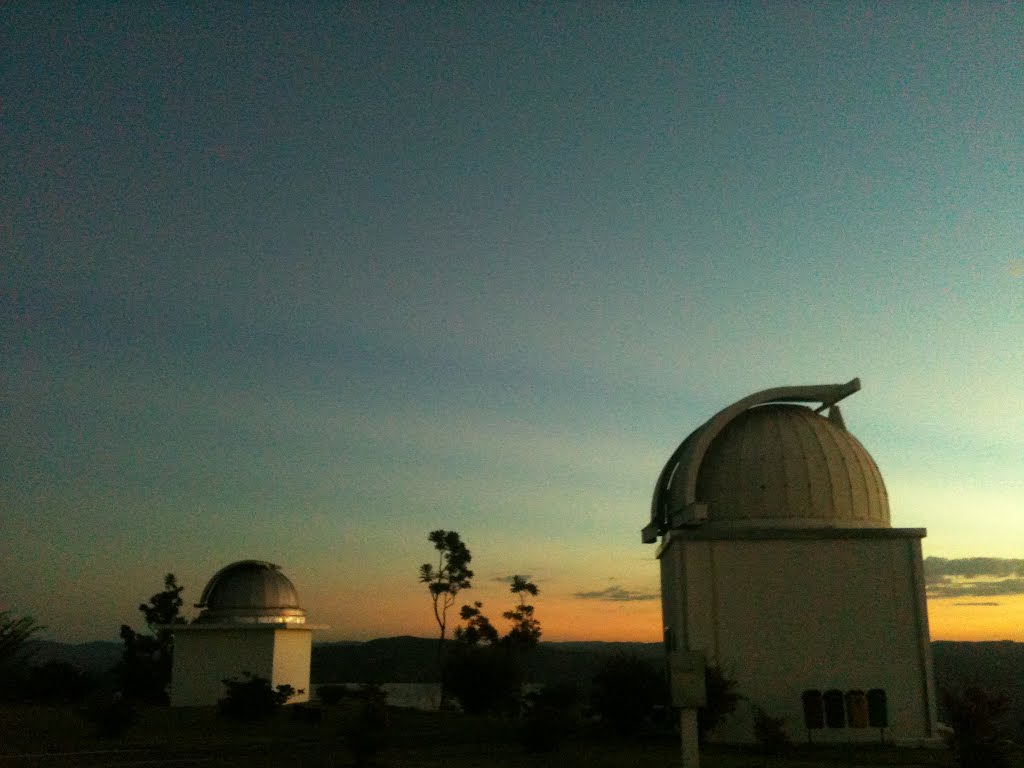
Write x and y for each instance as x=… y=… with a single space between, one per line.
x=250 y=592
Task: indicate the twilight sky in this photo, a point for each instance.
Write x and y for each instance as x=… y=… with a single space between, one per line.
x=304 y=282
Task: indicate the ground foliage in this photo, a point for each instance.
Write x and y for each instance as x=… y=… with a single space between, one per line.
x=770 y=734
x=252 y=697
x=367 y=732
x=109 y=713
x=177 y=737
x=980 y=734
x=721 y=699
x=626 y=691
x=552 y=716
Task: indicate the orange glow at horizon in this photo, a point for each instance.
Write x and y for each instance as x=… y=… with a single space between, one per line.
x=1000 y=617
x=562 y=617
x=565 y=618
x=607 y=620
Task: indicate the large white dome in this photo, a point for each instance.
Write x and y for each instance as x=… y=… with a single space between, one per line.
x=765 y=462
x=785 y=464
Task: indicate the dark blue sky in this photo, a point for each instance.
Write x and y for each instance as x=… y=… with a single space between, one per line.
x=304 y=282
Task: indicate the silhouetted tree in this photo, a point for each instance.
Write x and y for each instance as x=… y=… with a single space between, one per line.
x=490 y=679
x=15 y=653
x=525 y=631
x=15 y=632
x=147 y=659
x=478 y=627
x=163 y=609
x=450 y=577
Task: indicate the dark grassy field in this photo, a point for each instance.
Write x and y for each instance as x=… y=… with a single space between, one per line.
x=49 y=737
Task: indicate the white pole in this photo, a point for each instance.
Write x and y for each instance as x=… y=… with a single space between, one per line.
x=688 y=734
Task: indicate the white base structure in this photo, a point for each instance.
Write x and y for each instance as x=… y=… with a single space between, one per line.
x=207 y=654
x=782 y=612
x=780 y=566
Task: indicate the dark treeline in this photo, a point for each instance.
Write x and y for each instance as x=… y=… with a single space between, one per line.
x=413 y=660
x=992 y=666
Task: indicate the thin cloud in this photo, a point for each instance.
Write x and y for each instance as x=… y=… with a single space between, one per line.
x=616 y=593
x=508 y=579
x=973 y=576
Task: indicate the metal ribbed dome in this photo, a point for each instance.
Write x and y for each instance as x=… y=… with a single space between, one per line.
x=250 y=592
x=764 y=462
x=784 y=464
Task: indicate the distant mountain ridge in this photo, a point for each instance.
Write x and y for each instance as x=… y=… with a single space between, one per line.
x=94 y=658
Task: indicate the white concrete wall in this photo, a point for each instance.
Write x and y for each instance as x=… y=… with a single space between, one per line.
x=785 y=615
x=204 y=658
x=292 y=656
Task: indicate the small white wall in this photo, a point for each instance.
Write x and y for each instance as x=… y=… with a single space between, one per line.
x=783 y=615
x=204 y=658
x=293 y=650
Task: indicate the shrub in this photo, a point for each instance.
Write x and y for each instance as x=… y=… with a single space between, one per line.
x=110 y=713
x=562 y=696
x=484 y=680
x=332 y=694
x=366 y=734
x=979 y=738
x=721 y=700
x=58 y=681
x=306 y=713
x=551 y=716
x=769 y=733
x=253 y=698
x=626 y=691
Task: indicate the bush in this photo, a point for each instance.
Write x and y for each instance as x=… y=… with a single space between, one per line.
x=110 y=713
x=551 y=716
x=306 y=713
x=626 y=691
x=332 y=694
x=366 y=734
x=58 y=681
x=252 y=698
x=769 y=733
x=484 y=680
x=721 y=701
x=979 y=737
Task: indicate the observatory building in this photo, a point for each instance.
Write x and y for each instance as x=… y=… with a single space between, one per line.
x=251 y=622
x=779 y=565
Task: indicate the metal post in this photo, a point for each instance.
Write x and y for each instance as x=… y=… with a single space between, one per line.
x=688 y=735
